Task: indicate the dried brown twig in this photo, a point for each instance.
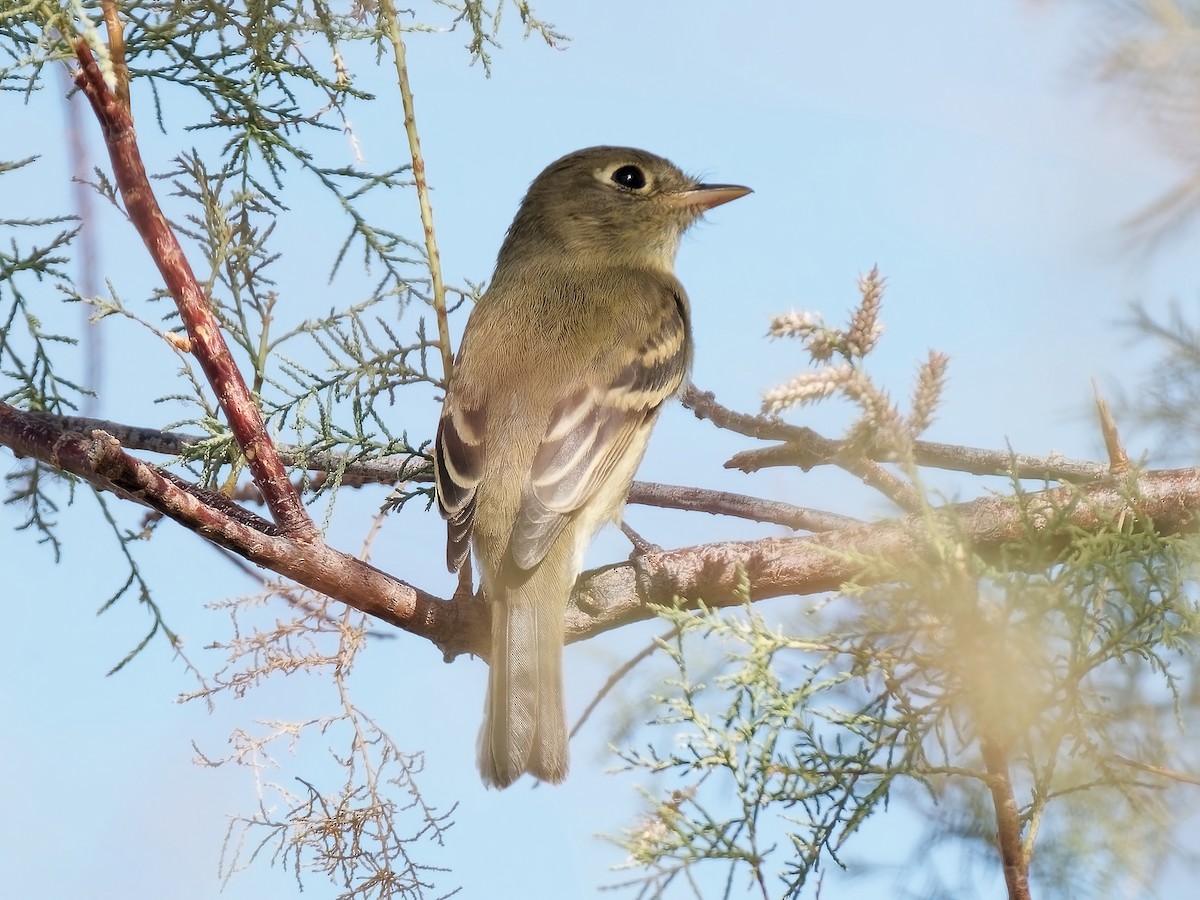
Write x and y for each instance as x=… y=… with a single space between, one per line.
x=806 y=449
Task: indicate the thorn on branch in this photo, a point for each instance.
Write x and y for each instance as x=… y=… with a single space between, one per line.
x=1118 y=459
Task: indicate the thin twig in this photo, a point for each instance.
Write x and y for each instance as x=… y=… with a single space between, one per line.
x=874 y=475
x=1162 y=772
x=615 y=678
x=705 y=406
x=673 y=496
x=388 y=10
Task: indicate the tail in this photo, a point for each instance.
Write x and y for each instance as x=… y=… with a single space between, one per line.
x=524 y=721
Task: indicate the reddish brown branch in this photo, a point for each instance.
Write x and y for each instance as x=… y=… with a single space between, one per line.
x=208 y=344
x=386 y=470
x=1008 y=823
x=97 y=458
x=815 y=450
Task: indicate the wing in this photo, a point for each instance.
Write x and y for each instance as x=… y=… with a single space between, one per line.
x=457 y=467
x=592 y=429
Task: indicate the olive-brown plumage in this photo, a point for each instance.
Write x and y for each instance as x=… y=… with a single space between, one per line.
x=567 y=359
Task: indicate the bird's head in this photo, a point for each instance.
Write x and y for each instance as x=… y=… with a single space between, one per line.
x=612 y=206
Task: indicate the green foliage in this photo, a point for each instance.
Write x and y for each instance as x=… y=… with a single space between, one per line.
x=806 y=726
x=1047 y=675
x=259 y=99
x=1062 y=664
x=27 y=350
x=1167 y=397
x=268 y=96
x=35 y=260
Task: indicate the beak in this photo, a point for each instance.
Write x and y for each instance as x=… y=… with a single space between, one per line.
x=706 y=196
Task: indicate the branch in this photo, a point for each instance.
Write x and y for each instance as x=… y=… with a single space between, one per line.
x=1166 y=501
x=607 y=598
x=1008 y=823
x=807 y=449
x=208 y=344
x=874 y=475
x=97 y=458
x=394 y=469
x=724 y=503
x=388 y=470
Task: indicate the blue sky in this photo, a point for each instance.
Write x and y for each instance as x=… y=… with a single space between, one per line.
x=962 y=148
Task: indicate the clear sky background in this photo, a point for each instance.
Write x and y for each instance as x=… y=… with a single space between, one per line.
x=963 y=148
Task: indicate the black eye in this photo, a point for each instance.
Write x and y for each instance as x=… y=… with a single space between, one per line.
x=630 y=177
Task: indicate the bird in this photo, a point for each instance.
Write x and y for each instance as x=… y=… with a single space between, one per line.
x=566 y=360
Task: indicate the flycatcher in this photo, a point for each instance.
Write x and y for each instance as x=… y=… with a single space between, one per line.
x=581 y=337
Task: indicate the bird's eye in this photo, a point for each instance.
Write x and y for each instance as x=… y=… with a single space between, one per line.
x=630 y=177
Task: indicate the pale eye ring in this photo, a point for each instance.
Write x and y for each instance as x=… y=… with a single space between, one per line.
x=630 y=177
